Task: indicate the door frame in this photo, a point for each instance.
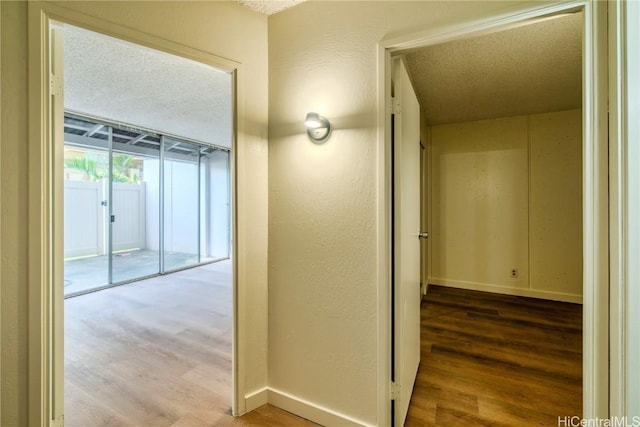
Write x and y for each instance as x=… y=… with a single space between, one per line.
x=624 y=155
x=46 y=329
x=595 y=189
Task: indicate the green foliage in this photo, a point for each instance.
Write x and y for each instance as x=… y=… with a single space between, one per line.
x=89 y=166
x=96 y=167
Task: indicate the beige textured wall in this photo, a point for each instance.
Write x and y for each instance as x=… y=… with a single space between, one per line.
x=221 y=28
x=480 y=202
x=323 y=337
x=556 y=202
x=507 y=193
x=14 y=182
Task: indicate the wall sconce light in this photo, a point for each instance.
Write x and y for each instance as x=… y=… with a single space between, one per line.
x=318 y=128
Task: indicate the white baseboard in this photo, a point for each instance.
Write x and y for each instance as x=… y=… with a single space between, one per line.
x=300 y=407
x=256 y=399
x=497 y=289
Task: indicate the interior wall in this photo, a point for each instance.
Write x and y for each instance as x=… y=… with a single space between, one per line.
x=480 y=202
x=555 y=217
x=323 y=284
x=225 y=29
x=507 y=194
x=14 y=215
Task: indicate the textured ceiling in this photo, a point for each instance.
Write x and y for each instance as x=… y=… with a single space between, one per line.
x=269 y=7
x=112 y=79
x=531 y=69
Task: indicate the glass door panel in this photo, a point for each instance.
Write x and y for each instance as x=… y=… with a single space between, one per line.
x=181 y=204
x=86 y=229
x=215 y=211
x=136 y=212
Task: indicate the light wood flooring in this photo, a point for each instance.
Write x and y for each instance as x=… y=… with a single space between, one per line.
x=156 y=353
x=496 y=360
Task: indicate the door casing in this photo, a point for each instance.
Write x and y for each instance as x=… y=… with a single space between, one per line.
x=46 y=333
x=595 y=192
x=624 y=155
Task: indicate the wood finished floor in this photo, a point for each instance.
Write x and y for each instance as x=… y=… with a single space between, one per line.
x=156 y=353
x=496 y=360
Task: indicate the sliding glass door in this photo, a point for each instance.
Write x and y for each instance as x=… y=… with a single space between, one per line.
x=181 y=204
x=196 y=204
x=86 y=228
x=215 y=205
x=138 y=204
x=135 y=220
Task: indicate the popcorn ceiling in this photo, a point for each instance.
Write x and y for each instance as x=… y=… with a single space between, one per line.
x=269 y=7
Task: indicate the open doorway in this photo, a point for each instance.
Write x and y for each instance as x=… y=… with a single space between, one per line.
x=470 y=182
x=146 y=162
x=504 y=125
x=147 y=192
x=502 y=116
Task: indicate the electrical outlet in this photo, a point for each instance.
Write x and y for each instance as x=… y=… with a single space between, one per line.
x=514 y=273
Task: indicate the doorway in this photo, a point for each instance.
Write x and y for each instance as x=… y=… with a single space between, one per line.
x=112 y=183
x=147 y=147
x=593 y=179
x=147 y=141
x=48 y=278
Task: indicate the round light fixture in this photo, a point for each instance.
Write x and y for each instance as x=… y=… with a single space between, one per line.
x=318 y=127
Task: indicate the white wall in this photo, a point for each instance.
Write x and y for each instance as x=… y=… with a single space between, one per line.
x=225 y=29
x=323 y=295
x=507 y=194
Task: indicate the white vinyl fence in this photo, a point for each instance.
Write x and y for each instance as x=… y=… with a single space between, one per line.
x=86 y=218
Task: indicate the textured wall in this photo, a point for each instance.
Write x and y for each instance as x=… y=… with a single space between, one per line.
x=556 y=202
x=222 y=28
x=480 y=202
x=13 y=217
x=507 y=193
x=323 y=318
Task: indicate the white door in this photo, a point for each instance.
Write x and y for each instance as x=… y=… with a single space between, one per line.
x=406 y=245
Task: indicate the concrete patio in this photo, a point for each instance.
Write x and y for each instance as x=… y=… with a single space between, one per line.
x=93 y=272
